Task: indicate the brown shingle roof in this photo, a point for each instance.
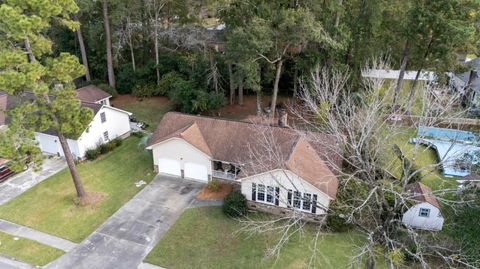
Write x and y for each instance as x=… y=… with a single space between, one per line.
x=91 y=93
x=423 y=193
x=241 y=143
x=471 y=177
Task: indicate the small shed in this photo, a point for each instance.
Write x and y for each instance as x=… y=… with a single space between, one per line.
x=425 y=213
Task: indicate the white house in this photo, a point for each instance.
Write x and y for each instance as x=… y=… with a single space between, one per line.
x=425 y=213
x=298 y=175
x=108 y=123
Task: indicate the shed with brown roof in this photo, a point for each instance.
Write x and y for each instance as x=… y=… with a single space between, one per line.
x=92 y=94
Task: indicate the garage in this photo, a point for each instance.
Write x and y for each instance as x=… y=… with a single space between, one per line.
x=169 y=166
x=196 y=171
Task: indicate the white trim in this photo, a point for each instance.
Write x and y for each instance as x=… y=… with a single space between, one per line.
x=283 y=170
x=117 y=109
x=178 y=138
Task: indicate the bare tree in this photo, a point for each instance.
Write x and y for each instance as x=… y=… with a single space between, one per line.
x=375 y=174
x=154 y=9
x=83 y=51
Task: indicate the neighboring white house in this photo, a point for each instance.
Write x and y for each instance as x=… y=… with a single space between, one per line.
x=297 y=176
x=108 y=123
x=425 y=213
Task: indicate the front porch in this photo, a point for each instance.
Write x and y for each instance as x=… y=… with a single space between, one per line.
x=225 y=170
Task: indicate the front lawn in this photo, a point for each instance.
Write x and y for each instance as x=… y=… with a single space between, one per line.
x=27 y=250
x=149 y=110
x=205 y=238
x=49 y=206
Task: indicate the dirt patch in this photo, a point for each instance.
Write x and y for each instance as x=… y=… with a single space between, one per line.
x=248 y=109
x=207 y=194
x=123 y=99
x=90 y=199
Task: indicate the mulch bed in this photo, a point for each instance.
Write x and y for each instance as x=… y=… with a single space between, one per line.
x=207 y=194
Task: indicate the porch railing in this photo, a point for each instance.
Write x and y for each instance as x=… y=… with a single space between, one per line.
x=224 y=175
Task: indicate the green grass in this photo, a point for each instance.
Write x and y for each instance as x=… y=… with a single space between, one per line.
x=27 y=250
x=50 y=207
x=149 y=110
x=205 y=238
x=424 y=157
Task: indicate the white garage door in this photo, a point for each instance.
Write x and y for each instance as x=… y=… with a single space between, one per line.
x=196 y=171
x=169 y=166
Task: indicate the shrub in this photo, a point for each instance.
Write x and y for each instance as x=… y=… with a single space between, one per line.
x=108 y=89
x=92 y=154
x=214 y=185
x=147 y=90
x=168 y=81
x=103 y=148
x=138 y=134
x=235 y=204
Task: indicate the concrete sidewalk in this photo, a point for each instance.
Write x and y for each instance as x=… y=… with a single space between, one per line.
x=26 y=232
x=23 y=181
x=124 y=240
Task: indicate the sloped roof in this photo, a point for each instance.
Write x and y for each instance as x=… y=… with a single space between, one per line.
x=423 y=193
x=307 y=154
x=471 y=177
x=92 y=94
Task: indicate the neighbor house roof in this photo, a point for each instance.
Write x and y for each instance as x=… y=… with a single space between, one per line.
x=9 y=102
x=471 y=177
x=312 y=156
x=92 y=93
x=423 y=193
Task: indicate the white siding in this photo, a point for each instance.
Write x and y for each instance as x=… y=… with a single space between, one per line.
x=285 y=180
x=433 y=222
x=49 y=144
x=117 y=124
x=180 y=150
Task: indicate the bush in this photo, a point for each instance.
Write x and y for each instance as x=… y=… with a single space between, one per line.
x=235 y=204
x=147 y=90
x=108 y=89
x=214 y=185
x=138 y=134
x=92 y=154
x=103 y=148
x=168 y=81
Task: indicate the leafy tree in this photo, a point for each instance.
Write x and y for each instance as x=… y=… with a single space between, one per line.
x=43 y=83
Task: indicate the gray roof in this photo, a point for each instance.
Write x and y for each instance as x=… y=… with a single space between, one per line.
x=9 y=102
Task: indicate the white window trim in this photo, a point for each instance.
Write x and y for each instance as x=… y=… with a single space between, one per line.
x=302 y=199
x=107 y=139
x=420 y=212
x=265 y=193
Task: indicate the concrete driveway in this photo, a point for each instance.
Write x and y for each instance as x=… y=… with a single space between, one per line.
x=17 y=184
x=124 y=240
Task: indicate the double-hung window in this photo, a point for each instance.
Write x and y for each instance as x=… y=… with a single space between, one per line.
x=265 y=194
x=103 y=117
x=424 y=212
x=302 y=201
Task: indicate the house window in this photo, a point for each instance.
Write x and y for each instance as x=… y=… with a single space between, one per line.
x=103 y=117
x=297 y=201
x=424 y=212
x=105 y=136
x=261 y=192
x=103 y=102
x=270 y=193
x=265 y=194
x=303 y=201
x=307 y=202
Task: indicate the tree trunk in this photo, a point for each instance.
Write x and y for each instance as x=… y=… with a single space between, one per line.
x=403 y=66
x=295 y=82
x=275 y=87
x=71 y=166
x=83 y=51
x=370 y=263
x=411 y=96
x=337 y=15
x=157 y=56
x=108 y=41
x=31 y=57
x=240 y=92
x=259 y=103
x=132 y=53
x=232 y=86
